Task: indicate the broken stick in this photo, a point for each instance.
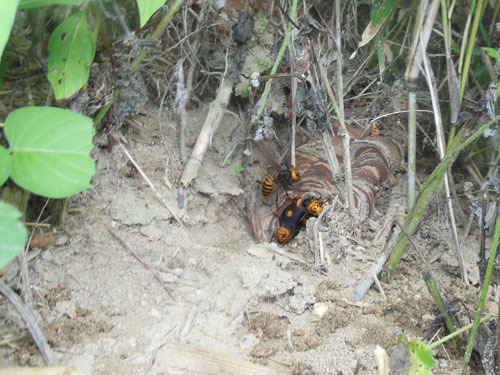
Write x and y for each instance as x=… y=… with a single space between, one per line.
x=212 y=121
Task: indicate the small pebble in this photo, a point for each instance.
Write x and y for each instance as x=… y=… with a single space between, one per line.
x=320 y=309
x=62 y=240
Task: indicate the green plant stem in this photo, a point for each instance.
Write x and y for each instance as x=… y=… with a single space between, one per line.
x=412 y=141
x=281 y=52
x=470 y=48
x=494 y=17
x=430 y=186
x=97 y=13
x=159 y=29
x=482 y=297
x=434 y=291
x=459 y=332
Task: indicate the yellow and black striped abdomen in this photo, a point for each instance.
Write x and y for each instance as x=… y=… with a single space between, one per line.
x=268 y=185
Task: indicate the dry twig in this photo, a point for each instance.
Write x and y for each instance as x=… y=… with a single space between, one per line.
x=212 y=121
x=421 y=34
x=318 y=258
x=29 y=319
x=136 y=256
x=148 y=181
x=188 y=323
x=431 y=82
x=395 y=212
x=346 y=153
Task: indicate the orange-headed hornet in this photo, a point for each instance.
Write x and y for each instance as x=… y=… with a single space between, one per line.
x=294 y=217
x=291 y=220
x=285 y=178
x=313 y=206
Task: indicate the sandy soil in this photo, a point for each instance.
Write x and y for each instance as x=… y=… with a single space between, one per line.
x=104 y=312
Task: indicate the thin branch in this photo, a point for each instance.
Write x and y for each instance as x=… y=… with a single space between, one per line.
x=29 y=319
x=136 y=256
x=148 y=181
x=346 y=139
x=429 y=76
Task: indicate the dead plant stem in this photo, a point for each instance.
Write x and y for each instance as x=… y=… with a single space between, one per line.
x=138 y=258
x=421 y=34
x=431 y=82
x=338 y=40
x=29 y=319
x=346 y=139
x=148 y=181
x=293 y=130
x=318 y=258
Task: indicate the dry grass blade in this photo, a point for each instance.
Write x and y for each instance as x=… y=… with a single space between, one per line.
x=136 y=256
x=429 y=75
x=338 y=76
x=148 y=181
x=346 y=139
x=421 y=34
x=395 y=213
x=28 y=318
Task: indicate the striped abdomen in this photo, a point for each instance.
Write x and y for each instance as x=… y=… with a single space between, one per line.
x=268 y=185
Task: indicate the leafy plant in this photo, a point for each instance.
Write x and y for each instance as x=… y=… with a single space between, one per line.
x=49 y=151
x=421 y=358
x=147 y=8
x=72 y=49
x=8 y=11
x=48 y=148
x=48 y=154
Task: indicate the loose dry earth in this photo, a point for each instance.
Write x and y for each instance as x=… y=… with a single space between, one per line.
x=105 y=313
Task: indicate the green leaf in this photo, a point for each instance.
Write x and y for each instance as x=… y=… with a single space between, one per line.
x=492 y=52
x=147 y=8
x=380 y=53
x=381 y=10
x=72 y=49
x=476 y=51
x=5 y=164
x=421 y=358
x=28 y=4
x=8 y=13
x=50 y=150
x=13 y=234
x=237 y=169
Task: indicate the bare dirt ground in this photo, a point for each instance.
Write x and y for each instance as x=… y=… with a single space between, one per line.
x=104 y=312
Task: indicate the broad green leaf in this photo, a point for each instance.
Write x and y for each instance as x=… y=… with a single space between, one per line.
x=7 y=14
x=28 y=4
x=72 y=49
x=50 y=150
x=147 y=8
x=381 y=10
x=13 y=234
x=421 y=358
x=5 y=164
